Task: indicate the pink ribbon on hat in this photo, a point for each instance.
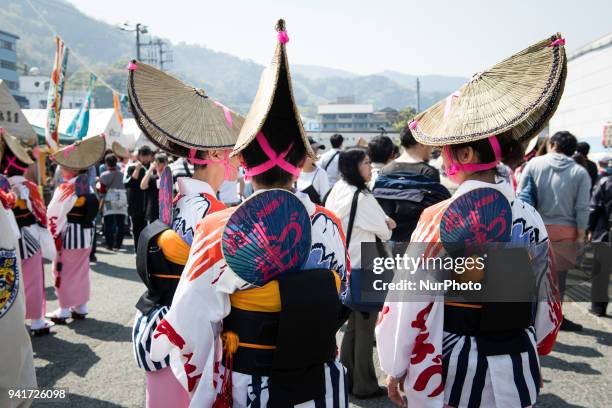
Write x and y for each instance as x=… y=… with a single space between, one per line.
x=557 y=42
x=12 y=162
x=227 y=113
x=283 y=38
x=412 y=125
x=457 y=167
x=67 y=150
x=449 y=103
x=225 y=161
x=132 y=65
x=275 y=159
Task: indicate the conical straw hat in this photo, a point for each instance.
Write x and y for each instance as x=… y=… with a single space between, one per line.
x=15 y=146
x=274 y=100
x=178 y=117
x=120 y=151
x=82 y=154
x=520 y=94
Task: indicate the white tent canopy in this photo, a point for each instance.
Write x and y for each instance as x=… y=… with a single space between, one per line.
x=131 y=129
x=100 y=121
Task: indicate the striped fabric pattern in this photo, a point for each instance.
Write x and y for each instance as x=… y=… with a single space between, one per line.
x=77 y=237
x=28 y=244
x=257 y=394
x=144 y=327
x=470 y=378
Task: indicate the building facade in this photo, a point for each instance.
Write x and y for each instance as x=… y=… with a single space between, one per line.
x=35 y=88
x=340 y=117
x=8 y=61
x=586 y=106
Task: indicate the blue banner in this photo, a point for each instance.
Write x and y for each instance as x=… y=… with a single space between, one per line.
x=80 y=124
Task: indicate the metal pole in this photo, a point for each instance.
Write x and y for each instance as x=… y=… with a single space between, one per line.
x=160 y=44
x=418 y=94
x=138 y=42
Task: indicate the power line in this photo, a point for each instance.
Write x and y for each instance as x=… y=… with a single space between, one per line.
x=73 y=52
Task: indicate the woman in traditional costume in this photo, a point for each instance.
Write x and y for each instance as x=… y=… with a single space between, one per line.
x=31 y=215
x=480 y=354
x=207 y=132
x=15 y=346
x=254 y=317
x=71 y=215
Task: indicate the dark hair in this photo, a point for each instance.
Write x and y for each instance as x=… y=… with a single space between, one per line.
x=145 y=150
x=161 y=158
x=406 y=138
x=512 y=151
x=564 y=142
x=276 y=134
x=380 y=149
x=202 y=155
x=336 y=140
x=396 y=151
x=583 y=148
x=110 y=160
x=348 y=166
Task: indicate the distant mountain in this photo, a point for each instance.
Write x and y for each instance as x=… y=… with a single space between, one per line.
x=429 y=83
x=228 y=78
x=319 y=72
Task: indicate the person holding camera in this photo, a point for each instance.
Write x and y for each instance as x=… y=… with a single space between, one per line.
x=150 y=185
x=134 y=174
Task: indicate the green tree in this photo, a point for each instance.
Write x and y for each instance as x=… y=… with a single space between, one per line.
x=404 y=117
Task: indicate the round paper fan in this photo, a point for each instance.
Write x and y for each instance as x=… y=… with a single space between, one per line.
x=267 y=236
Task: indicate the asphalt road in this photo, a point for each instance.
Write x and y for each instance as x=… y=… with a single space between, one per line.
x=93 y=358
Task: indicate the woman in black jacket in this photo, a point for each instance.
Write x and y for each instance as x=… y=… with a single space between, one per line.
x=600 y=232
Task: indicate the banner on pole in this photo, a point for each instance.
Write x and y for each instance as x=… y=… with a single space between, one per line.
x=80 y=124
x=117 y=106
x=56 y=94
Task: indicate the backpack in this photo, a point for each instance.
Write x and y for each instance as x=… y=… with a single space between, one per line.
x=403 y=196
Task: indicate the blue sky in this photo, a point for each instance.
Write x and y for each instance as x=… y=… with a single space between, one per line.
x=448 y=37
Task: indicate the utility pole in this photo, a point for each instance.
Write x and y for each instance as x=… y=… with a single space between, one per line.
x=139 y=29
x=165 y=56
x=418 y=94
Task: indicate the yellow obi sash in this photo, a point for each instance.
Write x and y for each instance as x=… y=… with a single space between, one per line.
x=265 y=298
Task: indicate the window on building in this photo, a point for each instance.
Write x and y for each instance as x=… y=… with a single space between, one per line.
x=10 y=65
x=345 y=115
x=7 y=45
x=42 y=104
x=12 y=85
x=328 y=116
x=361 y=115
x=47 y=86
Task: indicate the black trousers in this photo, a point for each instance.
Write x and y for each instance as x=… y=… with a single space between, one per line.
x=114 y=230
x=138 y=224
x=602 y=266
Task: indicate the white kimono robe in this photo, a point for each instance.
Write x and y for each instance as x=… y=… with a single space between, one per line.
x=444 y=368
x=16 y=349
x=190 y=330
